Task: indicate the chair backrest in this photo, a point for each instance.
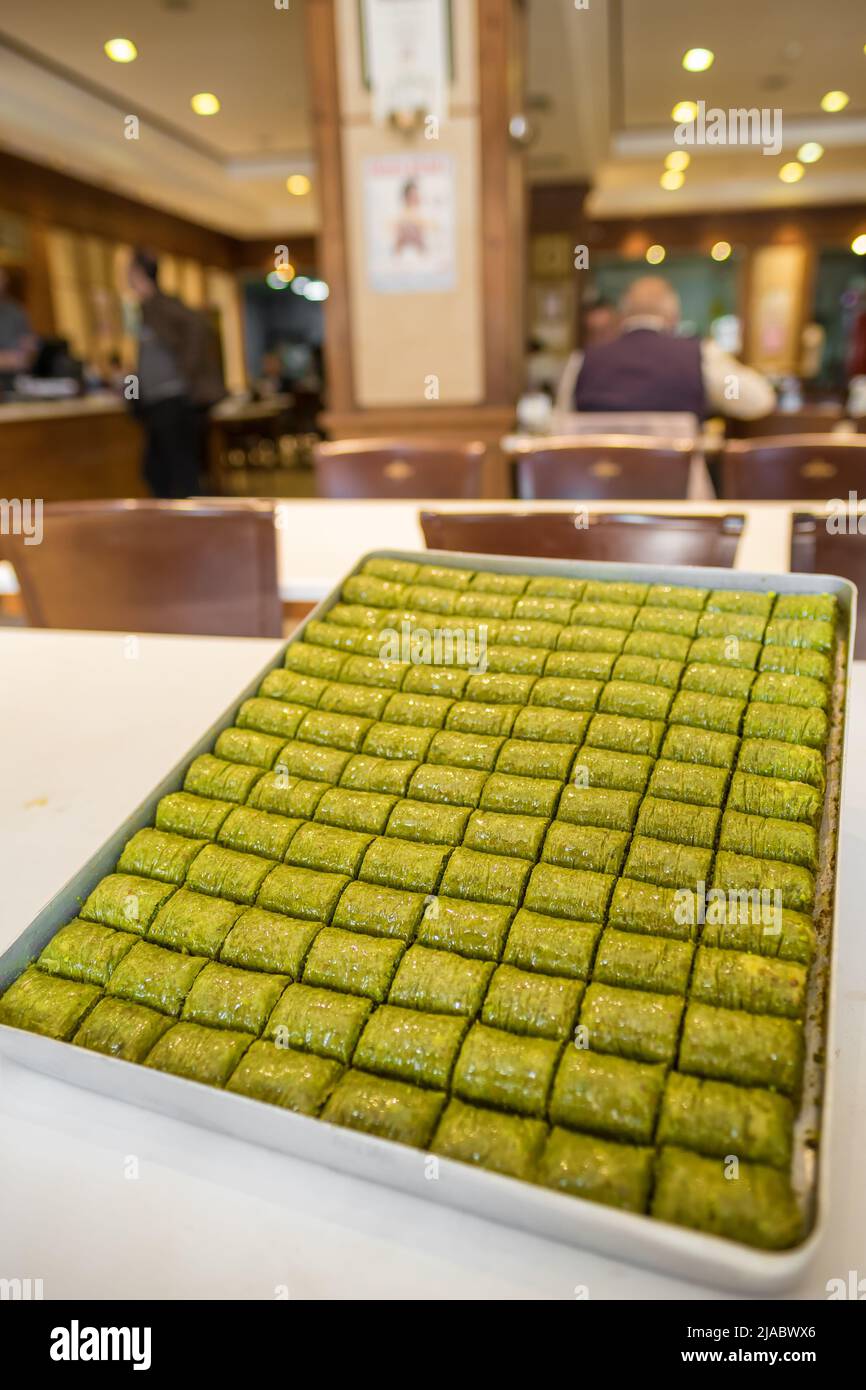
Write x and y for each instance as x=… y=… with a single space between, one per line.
x=812 y=419
x=412 y=468
x=816 y=549
x=641 y=538
x=151 y=566
x=659 y=424
x=803 y=466
x=603 y=466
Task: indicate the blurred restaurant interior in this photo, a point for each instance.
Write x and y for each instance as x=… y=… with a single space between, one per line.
x=283 y=283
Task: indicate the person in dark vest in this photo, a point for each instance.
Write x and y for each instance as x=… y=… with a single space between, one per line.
x=648 y=368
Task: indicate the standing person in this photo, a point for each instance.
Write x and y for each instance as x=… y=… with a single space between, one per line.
x=179 y=379
x=17 y=342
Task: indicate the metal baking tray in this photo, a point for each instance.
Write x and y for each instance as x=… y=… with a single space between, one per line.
x=622 y=1235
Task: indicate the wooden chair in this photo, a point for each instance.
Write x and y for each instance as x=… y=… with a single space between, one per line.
x=804 y=466
x=605 y=466
x=151 y=566
x=812 y=419
x=644 y=539
x=413 y=468
x=817 y=549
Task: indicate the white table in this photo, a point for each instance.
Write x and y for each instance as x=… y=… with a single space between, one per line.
x=83 y=738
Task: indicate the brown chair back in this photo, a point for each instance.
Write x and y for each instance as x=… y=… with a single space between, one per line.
x=812 y=419
x=643 y=539
x=151 y=566
x=818 y=549
x=603 y=466
x=415 y=468
x=803 y=466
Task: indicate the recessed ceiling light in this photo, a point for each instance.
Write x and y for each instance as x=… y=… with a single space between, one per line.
x=316 y=291
x=300 y=283
x=298 y=185
x=698 y=59
x=655 y=254
x=285 y=272
x=858 y=245
x=120 y=50
x=205 y=104
x=792 y=172
x=810 y=153
x=672 y=179
x=834 y=101
x=684 y=112
x=721 y=251
x=678 y=159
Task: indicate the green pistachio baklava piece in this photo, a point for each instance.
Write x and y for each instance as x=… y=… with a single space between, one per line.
x=499 y=688
x=327 y=849
x=509 y=1144
x=226 y=873
x=284 y=795
x=794 y=884
x=218 y=778
x=526 y=796
x=634 y=960
x=539 y=609
x=797 y=632
x=297 y=1081
x=735 y=653
x=615 y=591
x=435 y=680
x=665 y=864
x=269 y=716
x=685 y=744
x=617 y=1175
x=484 y=878
x=318 y=1021
x=343 y=731
x=608 y=615
x=767 y=837
x=758 y=1208
x=571 y=893
x=302 y=893
x=519 y=836
x=548 y=725
x=787 y=724
x=816 y=608
x=258 y=832
x=517 y=633
x=664 y=646
x=384 y=776
x=85 y=951
x=446 y=786
x=47 y=1004
x=598 y=806
x=580 y=665
x=562 y=692
x=293 y=688
x=397 y=571
x=702 y=677
x=647 y=670
x=209 y=1055
x=678 y=622
x=224 y=997
x=485 y=606
x=408 y=1045
x=607 y=1095
x=126 y=901
x=156 y=854
x=658 y=911
x=796 y=661
x=440 y=982
x=121 y=1029
x=676 y=596
x=367 y=907
x=754 y=984
x=353 y=962
x=427 y=823
x=636 y=1024
x=551 y=946
x=516 y=661
x=268 y=941
x=493 y=721
x=419 y=711
x=746 y=1049
x=310 y=659
x=621 y=735
x=746 y=627
x=774 y=688
x=693 y=783
x=309 y=762
x=381 y=674
x=395 y=863
x=785 y=935
x=526 y=1002
x=741 y=601
x=535 y=758
x=465 y=750
x=388 y=1109
x=584 y=638
x=446 y=576
x=505 y=1071
x=200 y=817
x=721 y=713
x=790 y=762
x=358 y=811
x=156 y=977
x=677 y=821
x=633 y=699
x=429 y=598
x=717 y=1119
x=372 y=590
x=557 y=586
x=248 y=747
x=585 y=847
x=600 y=767
x=404 y=741
x=359 y=701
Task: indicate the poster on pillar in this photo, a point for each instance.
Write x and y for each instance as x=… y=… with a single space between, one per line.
x=406 y=57
x=409 y=202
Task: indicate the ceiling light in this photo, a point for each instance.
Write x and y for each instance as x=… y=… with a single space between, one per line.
x=810 y=153
x=698 y=59
x=721 y=251
x=834 y=101
x=678 y=160
x=316 y=291
x=298 y=185
x=655 y=254
x=684 y=112
x=121 y=50
x=276 y=281
x=285 y=272
x=791 y=173
x=672 y=179
x=300 y=283
x=205 y=104
x=858 y=245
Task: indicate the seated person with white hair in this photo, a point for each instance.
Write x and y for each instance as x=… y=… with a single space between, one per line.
x=647 y=367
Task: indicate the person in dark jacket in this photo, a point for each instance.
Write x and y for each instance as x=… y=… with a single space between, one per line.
x=179 y=378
